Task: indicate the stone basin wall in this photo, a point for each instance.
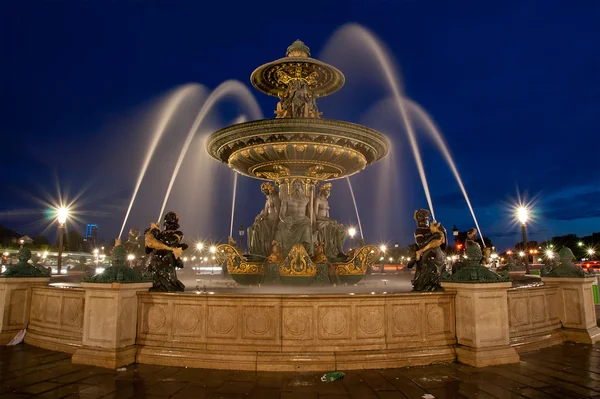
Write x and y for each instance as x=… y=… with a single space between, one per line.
x=288 y=332
x=294 y=332
x=56 y=318
x=534 y=318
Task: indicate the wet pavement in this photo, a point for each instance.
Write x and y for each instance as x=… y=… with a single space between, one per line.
x=564 y=371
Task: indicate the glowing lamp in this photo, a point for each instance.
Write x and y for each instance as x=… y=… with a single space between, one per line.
x=522 y=214
x=62 y=214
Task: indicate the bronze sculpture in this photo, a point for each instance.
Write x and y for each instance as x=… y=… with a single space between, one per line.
x=430 y=257
x=165 y=249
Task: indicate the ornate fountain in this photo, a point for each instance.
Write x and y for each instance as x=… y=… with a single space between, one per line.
x=293 y=239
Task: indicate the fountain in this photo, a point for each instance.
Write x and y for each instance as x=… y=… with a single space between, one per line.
x=299 y=152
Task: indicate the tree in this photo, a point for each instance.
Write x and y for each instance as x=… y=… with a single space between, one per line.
x=73 y=241
x=41 y=241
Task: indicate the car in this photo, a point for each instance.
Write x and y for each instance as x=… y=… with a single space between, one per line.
x=590 y=264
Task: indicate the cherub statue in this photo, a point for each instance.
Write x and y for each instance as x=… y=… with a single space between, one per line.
x=165 y=249
x=430 y=257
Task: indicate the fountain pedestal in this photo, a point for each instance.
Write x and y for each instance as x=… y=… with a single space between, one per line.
x=482 y=328
x=15 y=304
x=576 y=308
x=109 y=324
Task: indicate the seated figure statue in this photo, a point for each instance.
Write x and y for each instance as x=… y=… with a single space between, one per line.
x=329 y=232
x=262 y=232
x=294 y=223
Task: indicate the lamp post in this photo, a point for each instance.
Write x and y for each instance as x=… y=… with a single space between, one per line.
x=351 y=233
x=523 y=215
x=591 y=253
x=62 y=215
x=241 y=232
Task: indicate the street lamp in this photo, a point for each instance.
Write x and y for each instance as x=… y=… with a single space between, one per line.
x=523 y=215
x=351 y=233
x=62 y=214
x=199 y=246
x=591 y=252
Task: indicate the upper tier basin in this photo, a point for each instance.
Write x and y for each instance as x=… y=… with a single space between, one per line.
x=312 y=148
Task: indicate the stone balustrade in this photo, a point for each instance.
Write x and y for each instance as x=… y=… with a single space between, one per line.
x=110 y=325
x=291 y=332
x=534 y=318
x=56 y=318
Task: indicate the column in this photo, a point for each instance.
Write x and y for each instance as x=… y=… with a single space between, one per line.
x=482 y=330
x=109 y=324
x=576 y=307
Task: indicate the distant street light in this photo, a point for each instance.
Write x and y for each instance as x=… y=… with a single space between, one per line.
x=199 y=246
x=523 y=215
x=591 y=252
x=62 y=214
x=580 y=244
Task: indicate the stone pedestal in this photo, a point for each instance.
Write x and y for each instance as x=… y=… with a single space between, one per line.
x=15 y=304
x=576 y=308
x=109 y=324
x=482 y=329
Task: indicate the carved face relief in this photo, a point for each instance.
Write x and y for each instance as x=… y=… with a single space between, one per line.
x=297 y=187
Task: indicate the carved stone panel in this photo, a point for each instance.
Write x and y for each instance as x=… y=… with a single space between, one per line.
x=298 y=322
x=334 y=322
x=188 y=320
x=259 y=322
x=370 y=321
x=53 y=309
x=405 y=320
x=572 y=303
x=222 y=321
x=17 y=308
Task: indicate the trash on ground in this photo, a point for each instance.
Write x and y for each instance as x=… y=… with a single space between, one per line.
x=122 y=369
x=329 y=377
x=18 y=338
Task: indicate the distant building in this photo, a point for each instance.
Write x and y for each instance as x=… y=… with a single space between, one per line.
x=25 y=240
x=91 y=234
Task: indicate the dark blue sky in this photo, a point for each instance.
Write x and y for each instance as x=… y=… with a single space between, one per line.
x=514 y=86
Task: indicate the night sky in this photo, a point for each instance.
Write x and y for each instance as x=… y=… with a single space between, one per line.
x=513 y=85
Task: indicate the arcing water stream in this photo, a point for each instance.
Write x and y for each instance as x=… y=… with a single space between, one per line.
x=166 y=115
x=354 y=33
x=441 y=144
x=362 y=36
x=227 y=88
x=355 y=208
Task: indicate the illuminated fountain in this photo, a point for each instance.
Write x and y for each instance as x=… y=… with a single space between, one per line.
x=294 y=239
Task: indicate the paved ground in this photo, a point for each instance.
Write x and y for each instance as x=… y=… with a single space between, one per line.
x=564 y=371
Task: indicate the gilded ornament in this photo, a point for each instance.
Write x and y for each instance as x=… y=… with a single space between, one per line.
x=361 y=259
x=298 y=263
x=229 y=255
